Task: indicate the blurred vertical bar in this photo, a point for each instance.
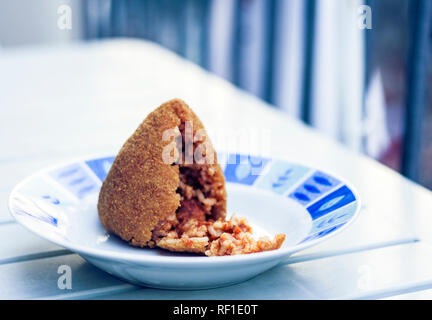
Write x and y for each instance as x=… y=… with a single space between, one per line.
x=309 y=41
x=195 y=31
x=172 y=29
x=420 y=20
x=253 y=46
x=180 y=25
x=368 y=48
x=237 y=42
x=119 y=18
x=152 y=20
x=368 y=66
x=97 y=18
x=269 y=63
x=205 y=33
x=181 y=30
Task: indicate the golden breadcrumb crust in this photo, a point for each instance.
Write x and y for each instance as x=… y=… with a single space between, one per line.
x=140 y=189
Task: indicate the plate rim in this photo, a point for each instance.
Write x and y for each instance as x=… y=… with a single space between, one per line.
x=190 y=262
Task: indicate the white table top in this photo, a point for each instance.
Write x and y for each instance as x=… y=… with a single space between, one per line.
x=63 y=102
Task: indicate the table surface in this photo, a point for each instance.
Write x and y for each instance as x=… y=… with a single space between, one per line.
x=62 y=102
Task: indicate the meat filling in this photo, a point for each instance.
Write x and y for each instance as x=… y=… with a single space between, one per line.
x=199 y=226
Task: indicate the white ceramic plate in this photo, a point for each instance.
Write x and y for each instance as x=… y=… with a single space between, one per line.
x=309 y=206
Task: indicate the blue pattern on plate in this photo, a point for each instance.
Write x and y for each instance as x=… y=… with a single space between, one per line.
x=244 y=169
x=26 y=206
x=333 y=218
x=314 y=187
x=100 y=166
x=331 y=202
x=322 y=233
x=75 y=179
x=42 y=218
x=44 y=190
x=51 y=199
x=281 y=176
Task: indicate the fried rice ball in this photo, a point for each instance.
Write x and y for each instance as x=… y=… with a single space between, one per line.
x=166 y=189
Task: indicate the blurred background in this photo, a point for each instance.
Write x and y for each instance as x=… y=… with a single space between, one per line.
x=356 y=70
